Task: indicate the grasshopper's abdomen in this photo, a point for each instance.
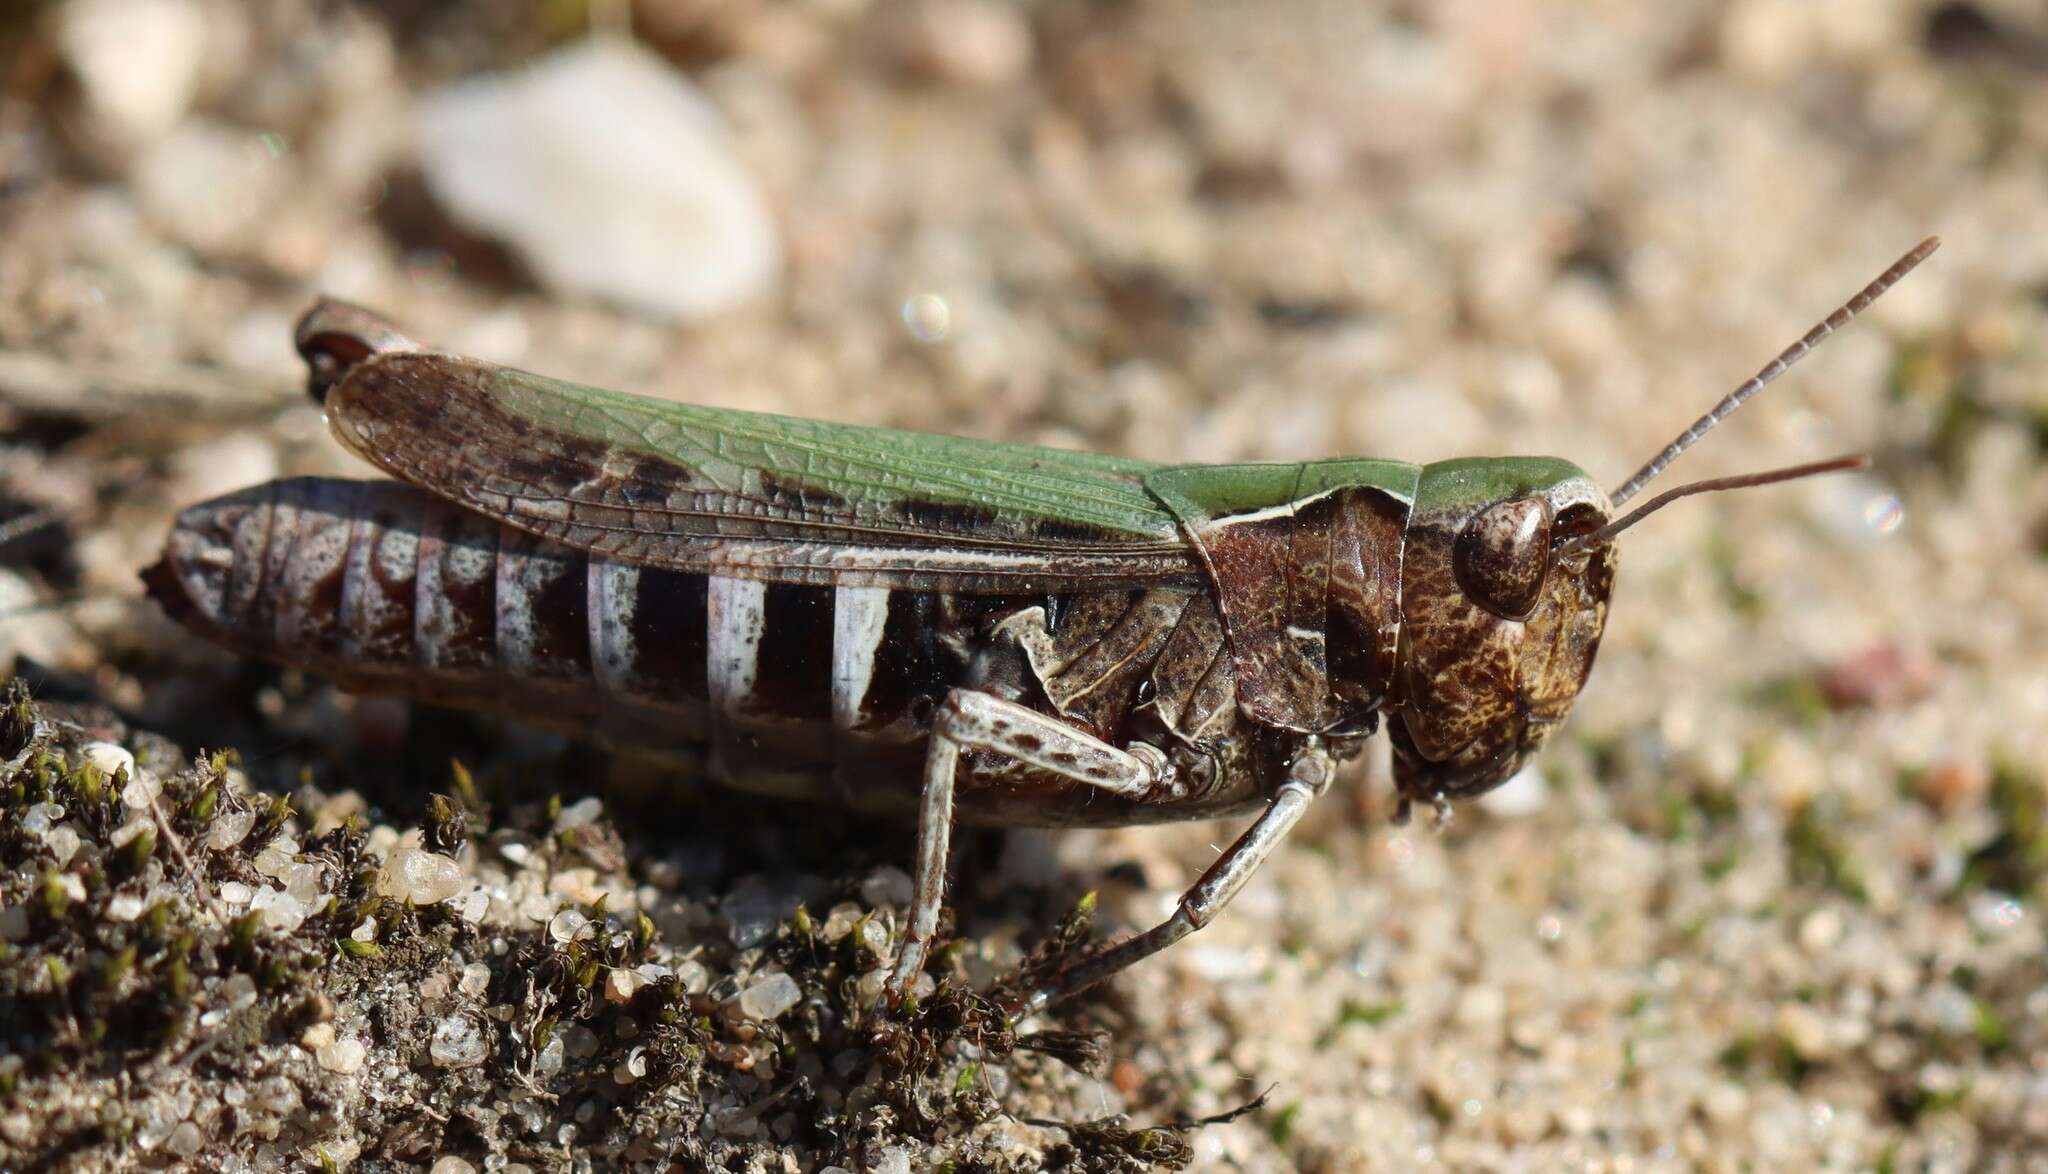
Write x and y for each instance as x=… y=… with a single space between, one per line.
x=386 y=589
x=805 y=691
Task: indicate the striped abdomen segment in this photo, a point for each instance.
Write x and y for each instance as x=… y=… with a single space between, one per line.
x=385 y=588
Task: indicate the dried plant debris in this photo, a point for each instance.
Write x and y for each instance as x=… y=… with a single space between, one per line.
x=195 y=970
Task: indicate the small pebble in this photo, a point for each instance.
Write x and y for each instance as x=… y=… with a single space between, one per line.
x=281 y=911
x=450 y=1164
x=580 y=1042
x=185 y=1140
x=317 y=1037
x=458 y=1042
x=138 y=63
x=420 y=876
x=475 y=980
x=277 y=857
x=577 y=814
x=695 y=979
x=229 y=829
x=887 y=885
x=343 y=1056
x=567 y=925
x=238 y=992
x=610 y=175
x=980 y=43
x=770 y=997
x=128 y=831
x=621 y=984
x=142 y=789
x=110 y=759
x=63 y=844
x=840 y=921
x=41 y=817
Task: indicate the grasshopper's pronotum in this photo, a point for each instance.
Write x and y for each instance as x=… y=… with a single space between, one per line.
x=948 y=628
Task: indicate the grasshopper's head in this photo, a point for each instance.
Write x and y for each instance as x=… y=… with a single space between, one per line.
x=1506 y=573
x=1501 y=614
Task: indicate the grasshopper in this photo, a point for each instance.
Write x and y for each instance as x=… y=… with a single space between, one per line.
x=925 y=625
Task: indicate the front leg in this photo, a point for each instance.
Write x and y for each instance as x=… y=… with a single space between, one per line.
x=979 y=721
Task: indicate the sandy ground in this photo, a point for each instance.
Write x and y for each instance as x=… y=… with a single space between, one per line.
x=1774 y=901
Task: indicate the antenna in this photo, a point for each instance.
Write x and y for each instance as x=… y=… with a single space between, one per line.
x=1772 y=370
x=1606 y=533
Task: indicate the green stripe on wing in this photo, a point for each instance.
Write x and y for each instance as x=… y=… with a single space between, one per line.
x=727 y=491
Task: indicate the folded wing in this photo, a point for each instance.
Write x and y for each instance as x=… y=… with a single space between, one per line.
x=720 y=491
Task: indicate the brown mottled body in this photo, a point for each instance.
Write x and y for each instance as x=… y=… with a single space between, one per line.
x=809 y=692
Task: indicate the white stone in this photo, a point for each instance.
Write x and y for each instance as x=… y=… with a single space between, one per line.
x=277 y=857
x=343 y=1055
x=63 y=844
x=128 y=831
x=887 y=885
x=971 y=42
x=185 y=1140
x=620 y=985
x=610 y=174
x=451 y=1165
x=548 y=1060
x=475 y=980
x=124 y=907
x=40 y=818
x=420 y=876
x=769 y=997
x=580 y=1041
x=577 y=814
x=694 y=976
x=458 y=1043
x=138 y=62
x=567 y=925
x=211 y=185
x=280 y=910
x=317 y=1037
x=302 y=881
x=229 y=829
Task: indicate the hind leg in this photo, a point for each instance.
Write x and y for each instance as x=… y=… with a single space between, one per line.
x=969 y=720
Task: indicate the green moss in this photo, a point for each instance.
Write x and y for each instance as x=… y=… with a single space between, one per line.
x=2015 y=859
x=1371 y=1014
x=1820 y=854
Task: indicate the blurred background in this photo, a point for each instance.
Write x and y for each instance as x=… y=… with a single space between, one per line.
x=1773 y=900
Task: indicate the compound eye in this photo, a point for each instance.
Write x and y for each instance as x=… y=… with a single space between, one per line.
x=1503 y=555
